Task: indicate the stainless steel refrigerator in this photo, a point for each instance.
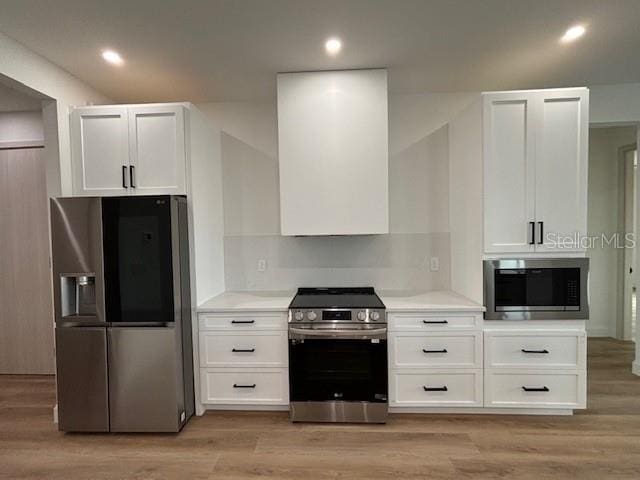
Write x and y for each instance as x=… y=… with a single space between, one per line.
x=123 y=313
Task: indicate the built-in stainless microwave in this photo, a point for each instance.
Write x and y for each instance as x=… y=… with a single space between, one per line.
x=536 y=289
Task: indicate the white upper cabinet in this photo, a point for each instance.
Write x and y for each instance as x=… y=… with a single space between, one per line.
x=535 y=170
x=128 y=150
x=333 y=152
x=157 y=149
x=100 y=150
x=509 y=172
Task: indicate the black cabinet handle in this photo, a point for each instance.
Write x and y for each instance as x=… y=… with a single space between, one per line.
x=524 y=350
x=533 y=233
x=132 y=171
x=235 y=385
x=124 y=176
x=540 y=242
x=435 y=389
x=243 y=321
x=444 y=350
x=435 y=322
x=535 y=389
x=243 y=350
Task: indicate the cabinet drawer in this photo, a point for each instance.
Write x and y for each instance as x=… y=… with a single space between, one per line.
x=444 y=388
x=534 y=389
x=234 y=386
x=231 y=349
x=243 y=321
x=429 y=322
x=410 y=350
x=520 y=349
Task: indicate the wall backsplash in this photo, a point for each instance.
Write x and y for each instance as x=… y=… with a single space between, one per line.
x=391 y=262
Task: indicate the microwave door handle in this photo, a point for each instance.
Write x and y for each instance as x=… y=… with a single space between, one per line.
x=532 y=240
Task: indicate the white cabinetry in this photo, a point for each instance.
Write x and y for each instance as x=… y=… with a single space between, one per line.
x=435 y=359
x=333 y=152
x=243 y=360
x=535 y=169
x=530 y=365
x=129 y=150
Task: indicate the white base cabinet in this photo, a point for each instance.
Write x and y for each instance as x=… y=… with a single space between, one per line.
x=435 y=359
x=243 y=360
x=535 y=364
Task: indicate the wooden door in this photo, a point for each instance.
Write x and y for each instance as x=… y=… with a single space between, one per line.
x=26 y=314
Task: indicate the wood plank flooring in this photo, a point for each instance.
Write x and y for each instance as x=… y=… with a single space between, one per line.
x=600 y=443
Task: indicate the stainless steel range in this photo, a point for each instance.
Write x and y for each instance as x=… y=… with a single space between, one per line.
x=338 y=356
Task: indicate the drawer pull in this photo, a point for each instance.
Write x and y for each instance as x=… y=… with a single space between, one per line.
x=435 y=389
x=545 y=351
x=444 y=350
x=235 y=385
x=435 y=322
x=243 y=350
x=535 y=389
x=243 y=321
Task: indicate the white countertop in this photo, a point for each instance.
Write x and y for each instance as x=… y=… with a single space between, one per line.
x=248 y=301
x=394 y=300
x=402 y=301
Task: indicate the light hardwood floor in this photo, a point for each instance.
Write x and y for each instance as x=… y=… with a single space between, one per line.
x=600 y=443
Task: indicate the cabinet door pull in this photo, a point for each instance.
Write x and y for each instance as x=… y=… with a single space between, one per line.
x=524 y=350
x=124 y=176
x=132 y=171
x=235 y=385
x=444 y=350
x=243 y=321
x=535 y=389
x=533 y=233
x=435 y=322
x=435 y=389
x=243 y=350
x=541 y=240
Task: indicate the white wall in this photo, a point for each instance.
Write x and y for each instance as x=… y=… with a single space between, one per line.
x=37 y=73
x=419 y=211
x=603 y=217
x=21 y=127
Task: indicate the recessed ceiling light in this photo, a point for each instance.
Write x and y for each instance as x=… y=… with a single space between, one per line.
x=573 y=33
x=112 y=57
x=333 y=46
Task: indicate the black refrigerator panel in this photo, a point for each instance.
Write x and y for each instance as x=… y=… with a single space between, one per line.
x=138 y=260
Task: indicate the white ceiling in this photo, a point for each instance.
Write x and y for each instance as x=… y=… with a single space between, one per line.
x=216 y=50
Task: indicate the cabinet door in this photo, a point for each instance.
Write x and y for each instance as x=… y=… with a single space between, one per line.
x=561 y=169
x=509 y=174
x=157 y=149
x=100 y=151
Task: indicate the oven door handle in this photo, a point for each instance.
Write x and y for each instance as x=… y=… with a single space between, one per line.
x=328 y=333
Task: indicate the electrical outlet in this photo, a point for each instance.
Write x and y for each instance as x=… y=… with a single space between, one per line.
x=434 y=264
x=262 y=265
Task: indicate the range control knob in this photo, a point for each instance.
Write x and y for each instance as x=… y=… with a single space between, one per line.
x=298 y=315
x=312 y=315
x=375 y=316
x=362 y=315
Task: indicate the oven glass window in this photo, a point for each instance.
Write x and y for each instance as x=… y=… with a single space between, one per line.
x=338 y=369
x=537 y=287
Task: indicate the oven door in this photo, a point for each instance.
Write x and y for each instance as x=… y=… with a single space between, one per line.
x=333 y=365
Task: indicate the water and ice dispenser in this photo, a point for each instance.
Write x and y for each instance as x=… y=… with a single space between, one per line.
x=78 y=294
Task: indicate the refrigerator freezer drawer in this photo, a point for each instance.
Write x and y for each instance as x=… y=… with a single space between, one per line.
x=81 y=362
x=145 y=380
